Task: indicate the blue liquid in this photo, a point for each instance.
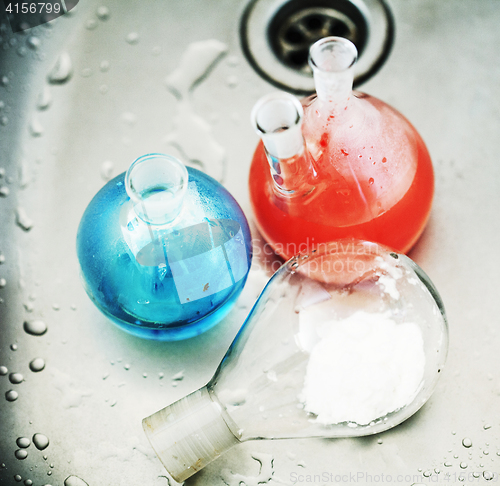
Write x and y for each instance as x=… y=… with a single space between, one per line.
x=165 y=282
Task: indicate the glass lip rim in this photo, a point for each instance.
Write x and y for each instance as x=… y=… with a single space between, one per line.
x=280 y=95
x=322 y=248
x=132 y=193
x=332 y=40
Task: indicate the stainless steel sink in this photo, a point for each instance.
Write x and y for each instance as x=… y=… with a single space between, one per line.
x=134 y=89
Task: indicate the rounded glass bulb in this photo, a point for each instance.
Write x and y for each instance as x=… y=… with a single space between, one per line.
x=164 y=249
x=346 y=341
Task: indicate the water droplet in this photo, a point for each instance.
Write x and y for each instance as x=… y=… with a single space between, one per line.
x=4 y=80
x=36 y=128
x=44 y=99
x=160 y=375
x=24 y=177
x=13 y=347
x=487 y=426
x=16 y=378
x=437 y=470
x=107 y=168
x=463 y=465
x=3 y=370
x=103 y=13
x=18 y=478
x=22 y=51
x=23 y=220
x=486 y=452
x=28 y=482
x=41 y=441
x=447 y=464
x=127 y=366
x=178 y=376
x=144 y=375
x=86 y=72
x=232 y=81
x=371 y=181
x=4 y=191
x=233 y=61
x=35 y=327
x=4 y=120
x=132 y=38
x=104 y=66
x=129 y=118
x=23 y=442
x=91 y=24
x=11 y=395
x=488 y=475
x=37 y=364
x=49 y=473
x=62 y=70
x=476 y=474
x=21 y=454
x=56 y=307
x=29 y=306
x=33 y=42
x=191 y=133
x=466 y=442
x=384 y=160
x=2 y=170
x=74 y=481
x=427 y=474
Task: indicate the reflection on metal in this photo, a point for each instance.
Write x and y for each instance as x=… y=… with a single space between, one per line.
x=276 y=36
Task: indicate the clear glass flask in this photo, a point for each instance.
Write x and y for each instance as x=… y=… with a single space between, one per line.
x=344 y=164
x=347 y=341
x=164 y=249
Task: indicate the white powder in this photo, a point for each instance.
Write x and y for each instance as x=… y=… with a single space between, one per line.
x=361 y=368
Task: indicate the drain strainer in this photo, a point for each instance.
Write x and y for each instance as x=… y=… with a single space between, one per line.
x=276 y=36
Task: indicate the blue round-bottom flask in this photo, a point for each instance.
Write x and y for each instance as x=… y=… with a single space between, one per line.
x=164 y=250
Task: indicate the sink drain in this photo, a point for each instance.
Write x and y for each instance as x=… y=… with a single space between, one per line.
x=276 y=36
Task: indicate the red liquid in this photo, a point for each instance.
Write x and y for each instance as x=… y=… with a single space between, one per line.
x=291 y=226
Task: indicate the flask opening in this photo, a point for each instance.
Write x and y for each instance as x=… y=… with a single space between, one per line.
x=333 y=54
x=277 y=118
x=156 y=184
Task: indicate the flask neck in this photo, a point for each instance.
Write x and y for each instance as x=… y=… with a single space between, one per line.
x=277 y=118
x=190 y=433
x=332 y=60
x=156 y=185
